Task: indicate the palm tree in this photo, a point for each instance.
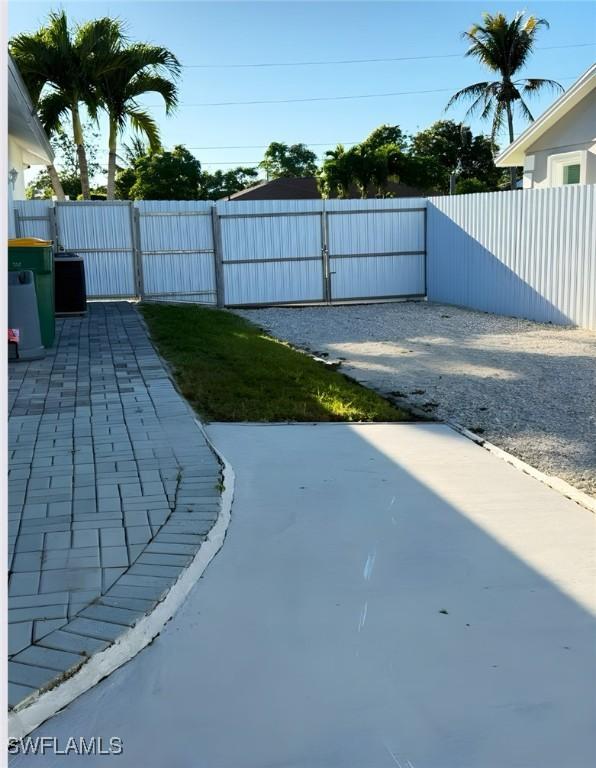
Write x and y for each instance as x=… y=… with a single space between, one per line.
x=503 y=46
x=57 y=66
x=129 y=72
x=335 y=175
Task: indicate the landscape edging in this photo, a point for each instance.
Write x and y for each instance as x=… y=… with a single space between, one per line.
x=556 y=483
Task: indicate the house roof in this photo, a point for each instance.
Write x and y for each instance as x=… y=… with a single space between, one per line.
x=23 y=124
x=516 y=151
x=307 y=189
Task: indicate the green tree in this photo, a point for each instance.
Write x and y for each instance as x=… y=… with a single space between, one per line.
x=374 y=162
x=214 y=186
x=467 y=186
x=503 y=47
x=162 y=175
x=423 y=173
x=283 y=161
x=455 y=149
x=385 y=135
x=335 y=175
x=67 y=173
x=59 y=66
x=128 y=71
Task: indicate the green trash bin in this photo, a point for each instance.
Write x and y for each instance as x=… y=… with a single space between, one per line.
x=37 y=255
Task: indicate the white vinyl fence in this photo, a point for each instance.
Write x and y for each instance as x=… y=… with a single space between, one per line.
x=529 y=253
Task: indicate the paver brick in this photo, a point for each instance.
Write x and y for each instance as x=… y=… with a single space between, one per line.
x=100 y=630
x=114 y=557
x=45 y=626
x=71 y=579
x=153 y=569
x=48 y=657
x=25 y=674
x=110 y=613
x=19 y=636
x=67 y=641
x=23 y=584
x=18 y=693
x=132 y=603
x=85 y=538
x=37 y=612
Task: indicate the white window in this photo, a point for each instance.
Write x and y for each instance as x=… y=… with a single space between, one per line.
x=567 y=168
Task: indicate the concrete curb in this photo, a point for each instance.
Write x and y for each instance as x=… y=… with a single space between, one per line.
x=21 y=722
x=562 y=487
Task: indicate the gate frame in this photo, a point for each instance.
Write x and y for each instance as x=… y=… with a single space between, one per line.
x=270 y=215
x=137 y=280
x=166 y=251
x=385 y=297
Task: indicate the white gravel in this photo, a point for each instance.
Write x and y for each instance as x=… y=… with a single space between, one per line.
x=526 y=387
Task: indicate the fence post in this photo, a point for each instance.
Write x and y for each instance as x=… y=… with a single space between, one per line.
x=53 y=222
x=137 y=253
x=218 y=258
x=325 y=256
x=18 y=232
x=425 y=241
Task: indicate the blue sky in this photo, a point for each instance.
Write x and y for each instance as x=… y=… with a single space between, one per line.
x=204 y=33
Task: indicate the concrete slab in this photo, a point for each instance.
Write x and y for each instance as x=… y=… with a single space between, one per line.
x=387 y=595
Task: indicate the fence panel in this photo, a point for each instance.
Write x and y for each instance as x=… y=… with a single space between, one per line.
x=376 y=248
x=33 y=218
x=272 y=251
x=529 y=253
x=102 y=233
x=177 y=250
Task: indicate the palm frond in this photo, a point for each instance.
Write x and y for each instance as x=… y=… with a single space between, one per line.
x=533 y=85
x=146 y=83
x=498 y=120
x=470 y=91
x=53 y=108
x=142 y=122
x=525 y=110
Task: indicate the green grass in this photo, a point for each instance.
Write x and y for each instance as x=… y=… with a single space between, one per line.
x=230 y=370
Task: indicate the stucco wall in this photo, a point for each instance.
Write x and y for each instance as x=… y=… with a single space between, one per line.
x=574 y=132
x=15 y=160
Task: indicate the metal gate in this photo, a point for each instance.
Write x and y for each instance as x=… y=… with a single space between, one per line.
x=176 y=246
x=376 y=249
x=102 y=232
x=294 y=252
x=272 y=252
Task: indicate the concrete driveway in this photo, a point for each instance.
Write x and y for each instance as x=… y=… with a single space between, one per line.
x=387 y=595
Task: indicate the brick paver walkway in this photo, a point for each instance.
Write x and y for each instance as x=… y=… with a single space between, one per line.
x=112 y=489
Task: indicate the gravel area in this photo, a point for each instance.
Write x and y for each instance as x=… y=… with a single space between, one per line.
x=526 y=387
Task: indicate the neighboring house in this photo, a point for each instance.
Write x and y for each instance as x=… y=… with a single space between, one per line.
x=559 y=147
x=307 y=189
x=27 y=142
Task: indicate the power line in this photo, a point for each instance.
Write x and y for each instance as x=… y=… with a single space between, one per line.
x=320 y=98
x=361 y=61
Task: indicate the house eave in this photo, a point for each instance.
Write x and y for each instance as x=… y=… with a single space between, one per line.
x=515 y=153
x=23 y=124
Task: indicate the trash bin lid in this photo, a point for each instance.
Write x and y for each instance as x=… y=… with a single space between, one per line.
x=28 y=242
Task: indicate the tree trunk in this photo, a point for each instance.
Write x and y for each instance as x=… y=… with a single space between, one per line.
x=77 y=131
x=113 y=139
x=513 y=170
x=56 y=183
